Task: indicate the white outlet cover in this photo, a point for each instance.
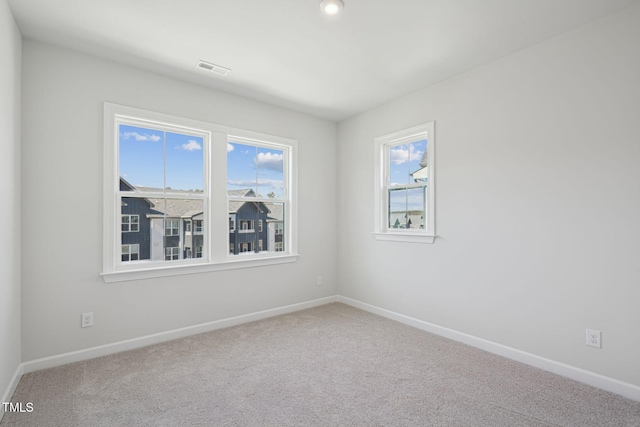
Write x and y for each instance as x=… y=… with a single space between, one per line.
x=87 y=319
x=594 y=338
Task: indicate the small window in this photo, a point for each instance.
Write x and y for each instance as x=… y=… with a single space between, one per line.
x=198 y=251
x=232 y=223
x=405 y=185
x=130 y=253
x=187 y=226
x=130 y=223
x=260 y=226
x=197 y=226
x=172 y=227
x=171 y=253
x=260 y=245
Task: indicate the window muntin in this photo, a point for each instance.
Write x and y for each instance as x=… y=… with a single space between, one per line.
x=404 y=185
x=139 y=193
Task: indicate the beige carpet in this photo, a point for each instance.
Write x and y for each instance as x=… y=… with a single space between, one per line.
x=328 y=366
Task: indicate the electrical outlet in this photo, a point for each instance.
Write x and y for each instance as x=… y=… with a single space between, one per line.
x=593 y=338
x=319 y=281
x=87 y=319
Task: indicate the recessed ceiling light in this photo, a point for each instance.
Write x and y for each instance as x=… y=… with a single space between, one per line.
x=331 y=7
x=218 y=69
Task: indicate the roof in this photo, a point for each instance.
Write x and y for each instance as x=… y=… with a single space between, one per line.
x=189 y=208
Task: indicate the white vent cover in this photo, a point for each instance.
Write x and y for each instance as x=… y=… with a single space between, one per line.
x=218 y=69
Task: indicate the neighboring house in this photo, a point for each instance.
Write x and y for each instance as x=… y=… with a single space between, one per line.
x=171 y=229
x=254 y=226
x=422 y=174
x=135 y=225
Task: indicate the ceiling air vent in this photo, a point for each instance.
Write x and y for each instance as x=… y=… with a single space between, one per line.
x=213 y=68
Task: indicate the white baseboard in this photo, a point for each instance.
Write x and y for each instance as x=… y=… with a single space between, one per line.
x=117 y=347
x=11 y=388
x=627 y=390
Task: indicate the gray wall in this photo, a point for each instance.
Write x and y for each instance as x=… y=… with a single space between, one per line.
x=10 y=58
x=62 y=161
x=538 y=206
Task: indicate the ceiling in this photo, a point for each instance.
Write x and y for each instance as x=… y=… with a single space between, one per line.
x=287 y=53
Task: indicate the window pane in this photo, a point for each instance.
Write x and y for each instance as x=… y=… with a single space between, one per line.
x=162 y=223
x=184 y=168
x=406 y=160
x=155 y=160
x=407 y=208
x=416 y=208
x=398 y=208
x=141 y=161
x=254 y=171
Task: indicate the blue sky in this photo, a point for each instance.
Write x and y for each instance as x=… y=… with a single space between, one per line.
x=258 y=168
x=142 y=162
x=142 y=158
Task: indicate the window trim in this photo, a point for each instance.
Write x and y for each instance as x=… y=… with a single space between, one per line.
x=382 y=143
x=215 y=256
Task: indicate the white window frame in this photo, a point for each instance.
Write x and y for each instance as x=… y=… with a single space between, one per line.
x=382 y=185
x=198 y=227
x=215 y=253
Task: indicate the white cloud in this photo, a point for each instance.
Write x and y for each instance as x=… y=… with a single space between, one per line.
x=141 y=137
x=271 y=161
x=401 y=154
x=191 y=145
x=230 y=147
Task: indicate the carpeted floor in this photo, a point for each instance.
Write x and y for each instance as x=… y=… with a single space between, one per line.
x=332 y=365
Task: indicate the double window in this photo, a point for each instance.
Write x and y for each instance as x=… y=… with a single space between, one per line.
x=183 y=185
x=404 y=192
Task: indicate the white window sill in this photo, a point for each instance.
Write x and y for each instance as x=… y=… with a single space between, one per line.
x=404 y=237
x=177 y=270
